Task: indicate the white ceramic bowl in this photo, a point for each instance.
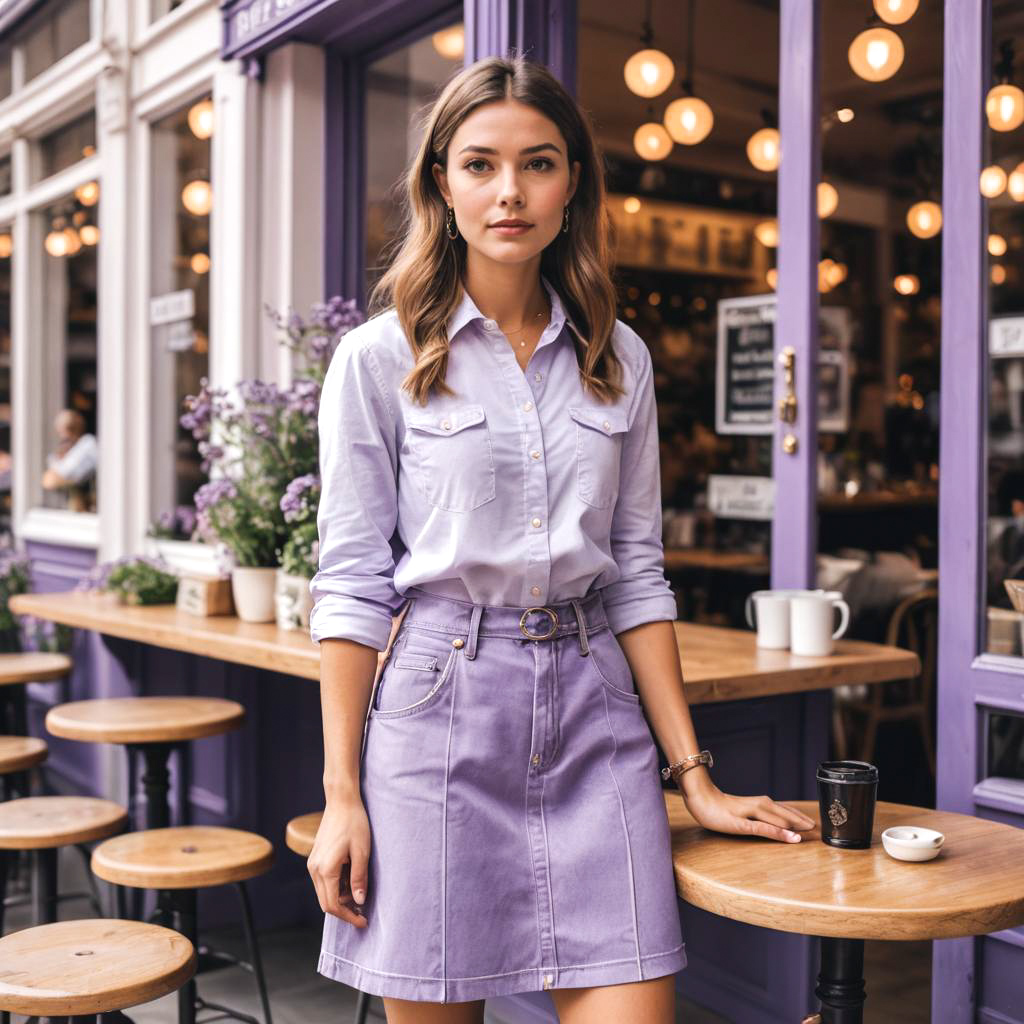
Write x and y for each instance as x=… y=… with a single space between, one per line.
x=911 y=842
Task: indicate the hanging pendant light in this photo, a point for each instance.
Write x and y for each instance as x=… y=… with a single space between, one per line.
x=689 y=120
x=907 y=284
x=763 y=149
x=89 y=193
x=197 y=197
x=1015 y=184
x=828 y=199
x=89 y=233
x=925 y=219
x=767 y=233
x=993 y=181
x=996 y=245
x=1004 y=104
x=876 y=54
x=652 y=141
x=450 y=42
x=649 y=72
x=200 y=119
x=895 y=12
x=6 y=246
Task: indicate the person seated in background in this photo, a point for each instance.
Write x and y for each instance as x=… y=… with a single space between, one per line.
x=71 y=466
x=1006 y=547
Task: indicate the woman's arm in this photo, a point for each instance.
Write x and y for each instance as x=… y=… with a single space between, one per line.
x=653 y=655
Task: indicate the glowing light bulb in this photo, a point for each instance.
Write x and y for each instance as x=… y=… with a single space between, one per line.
x=689 y=120
x=993 y=181
x=200 y=119
x=895 y=12
x=450 y=42
x=1015 y=183
x=925 y=219
x=56 y=243
x=631 y=204
x=1004 y=107
x=907 y=284
x=828 y=199
x=767 y=233
x=6 y=246
x=197 y=197
x=763 y=149
x=648 y=73
x=998 y=273
x=88 y=194
x=89 y=234
x=772 y=277
x=200 y=263
x=996 y=245
x=845 y=115
x=652 y=141
x=876 y=54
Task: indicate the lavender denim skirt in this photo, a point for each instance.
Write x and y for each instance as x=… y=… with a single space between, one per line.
x=519 y=839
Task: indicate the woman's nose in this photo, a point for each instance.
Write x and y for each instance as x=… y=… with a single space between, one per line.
x=510 y=190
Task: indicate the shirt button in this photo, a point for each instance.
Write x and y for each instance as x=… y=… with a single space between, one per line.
x=535 y=591
x=528 y=406
x=491 y=325
x=446 y=424
x=535 y=521
x=535 y=454
x=536 y=376
x=606 y=425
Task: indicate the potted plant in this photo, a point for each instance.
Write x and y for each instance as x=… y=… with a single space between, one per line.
x=299 y=555
x=257 y=444
x=134 y=580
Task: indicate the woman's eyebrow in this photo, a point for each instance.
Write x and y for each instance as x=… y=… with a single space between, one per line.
x=522 y=152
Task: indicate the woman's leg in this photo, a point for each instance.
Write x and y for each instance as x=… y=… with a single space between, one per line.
x=412 y=1011
x=640 y=1002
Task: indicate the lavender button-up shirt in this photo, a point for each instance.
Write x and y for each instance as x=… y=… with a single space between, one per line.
x=520 y=489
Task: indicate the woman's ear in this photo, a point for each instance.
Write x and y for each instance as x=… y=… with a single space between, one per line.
x=441 y=177
x=574 y=179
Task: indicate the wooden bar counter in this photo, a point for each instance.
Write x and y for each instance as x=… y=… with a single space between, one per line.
x=718 y=664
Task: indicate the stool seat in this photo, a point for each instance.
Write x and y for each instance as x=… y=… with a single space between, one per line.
x=144 y=719
x=33 y=667
x=300 y=832
x=91 y=966
x=19 y=753
x=185 y=857
x=46 y=822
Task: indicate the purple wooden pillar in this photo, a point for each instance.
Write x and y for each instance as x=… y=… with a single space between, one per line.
x=544 y=30
x=794 y=526
x=961 y=455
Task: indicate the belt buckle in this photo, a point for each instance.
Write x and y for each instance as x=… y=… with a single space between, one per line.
x=532 y=636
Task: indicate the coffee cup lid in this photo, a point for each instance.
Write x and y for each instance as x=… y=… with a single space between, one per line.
x=847 y=771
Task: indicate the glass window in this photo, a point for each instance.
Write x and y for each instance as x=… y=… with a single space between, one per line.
x=1002 y=183
x=6 y=83
x=5 y=377
x=68 y=337
x=60 y=28
x=180 y=307
x=397 y=86
x=67 y=145
x=158 y=8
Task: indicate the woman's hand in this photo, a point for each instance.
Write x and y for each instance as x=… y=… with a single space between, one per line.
x=742 y=815
x=341 y=848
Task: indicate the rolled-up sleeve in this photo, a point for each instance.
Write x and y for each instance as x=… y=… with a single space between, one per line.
x=353 y=589
x=641 y=594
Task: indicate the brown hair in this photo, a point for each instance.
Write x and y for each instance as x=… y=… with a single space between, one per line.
x=424 y=279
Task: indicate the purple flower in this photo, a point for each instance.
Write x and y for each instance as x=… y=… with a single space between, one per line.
x=300 y=497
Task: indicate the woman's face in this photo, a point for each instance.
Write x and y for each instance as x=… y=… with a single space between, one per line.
x=507 y=162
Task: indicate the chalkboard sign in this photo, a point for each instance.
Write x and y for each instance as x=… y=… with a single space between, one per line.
x=745 y=381
x=746 y=365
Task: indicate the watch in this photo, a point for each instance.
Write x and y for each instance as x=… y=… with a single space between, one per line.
x=683 y=766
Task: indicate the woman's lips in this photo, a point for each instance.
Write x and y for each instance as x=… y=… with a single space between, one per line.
x=511 y=229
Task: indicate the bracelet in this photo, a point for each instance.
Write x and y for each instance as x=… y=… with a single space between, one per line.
x=683 y=766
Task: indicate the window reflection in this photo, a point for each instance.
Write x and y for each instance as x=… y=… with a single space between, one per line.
x=1002 y=184
x=397 y=86
x=180 y=312
x=60 y=28
x=67 y=145
x=68 y=337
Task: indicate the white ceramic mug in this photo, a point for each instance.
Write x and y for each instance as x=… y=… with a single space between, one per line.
x=768 y=612
x=811 y=617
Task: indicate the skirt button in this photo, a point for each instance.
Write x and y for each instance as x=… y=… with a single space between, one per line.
x=458 y=643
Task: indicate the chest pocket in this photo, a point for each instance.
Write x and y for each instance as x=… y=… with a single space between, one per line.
x=452 y=461
x=599 y=435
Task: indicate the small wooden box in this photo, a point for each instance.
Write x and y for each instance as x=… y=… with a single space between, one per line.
x=205 y=595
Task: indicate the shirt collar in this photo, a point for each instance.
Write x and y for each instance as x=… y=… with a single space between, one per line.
x=466 y=311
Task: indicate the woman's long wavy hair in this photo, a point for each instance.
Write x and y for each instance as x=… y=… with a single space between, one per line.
x=424 y=279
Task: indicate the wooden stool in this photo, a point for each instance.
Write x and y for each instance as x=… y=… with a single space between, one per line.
x=75 y=970
x=16 y=670
x=19 y=754
x=178 y=861
x=43 y=824
x=299 y=836
x=150 y=727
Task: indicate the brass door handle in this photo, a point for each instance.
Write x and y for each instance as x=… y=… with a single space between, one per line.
x=787 y=404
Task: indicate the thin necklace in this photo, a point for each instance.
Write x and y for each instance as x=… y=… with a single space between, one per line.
x=522 y=344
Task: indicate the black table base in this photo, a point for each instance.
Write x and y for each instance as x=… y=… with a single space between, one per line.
x=840 y=988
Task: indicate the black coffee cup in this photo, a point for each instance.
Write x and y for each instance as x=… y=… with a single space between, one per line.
x=847 y=791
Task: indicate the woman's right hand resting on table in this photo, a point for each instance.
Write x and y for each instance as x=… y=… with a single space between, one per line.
x=338 y=861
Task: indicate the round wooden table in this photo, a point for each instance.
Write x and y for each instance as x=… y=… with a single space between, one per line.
x=974 y=886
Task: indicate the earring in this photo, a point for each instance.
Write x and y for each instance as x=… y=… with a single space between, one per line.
x=453 y=231
x=565 y=219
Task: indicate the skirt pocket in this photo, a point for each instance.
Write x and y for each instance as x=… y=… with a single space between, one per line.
x=414 y=680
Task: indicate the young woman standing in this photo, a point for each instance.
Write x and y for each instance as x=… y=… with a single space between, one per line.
x=489 y=455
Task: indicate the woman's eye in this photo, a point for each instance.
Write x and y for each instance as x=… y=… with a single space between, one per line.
x=544 y=162
x=470 y=163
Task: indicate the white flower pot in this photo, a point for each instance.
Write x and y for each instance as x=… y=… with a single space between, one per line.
x=253 y=591
x=293 y=600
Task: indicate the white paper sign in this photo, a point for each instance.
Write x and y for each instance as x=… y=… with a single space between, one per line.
x=165 y=309
x=742 y=497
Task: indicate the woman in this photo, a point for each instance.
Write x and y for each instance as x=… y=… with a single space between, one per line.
x=494 y=816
